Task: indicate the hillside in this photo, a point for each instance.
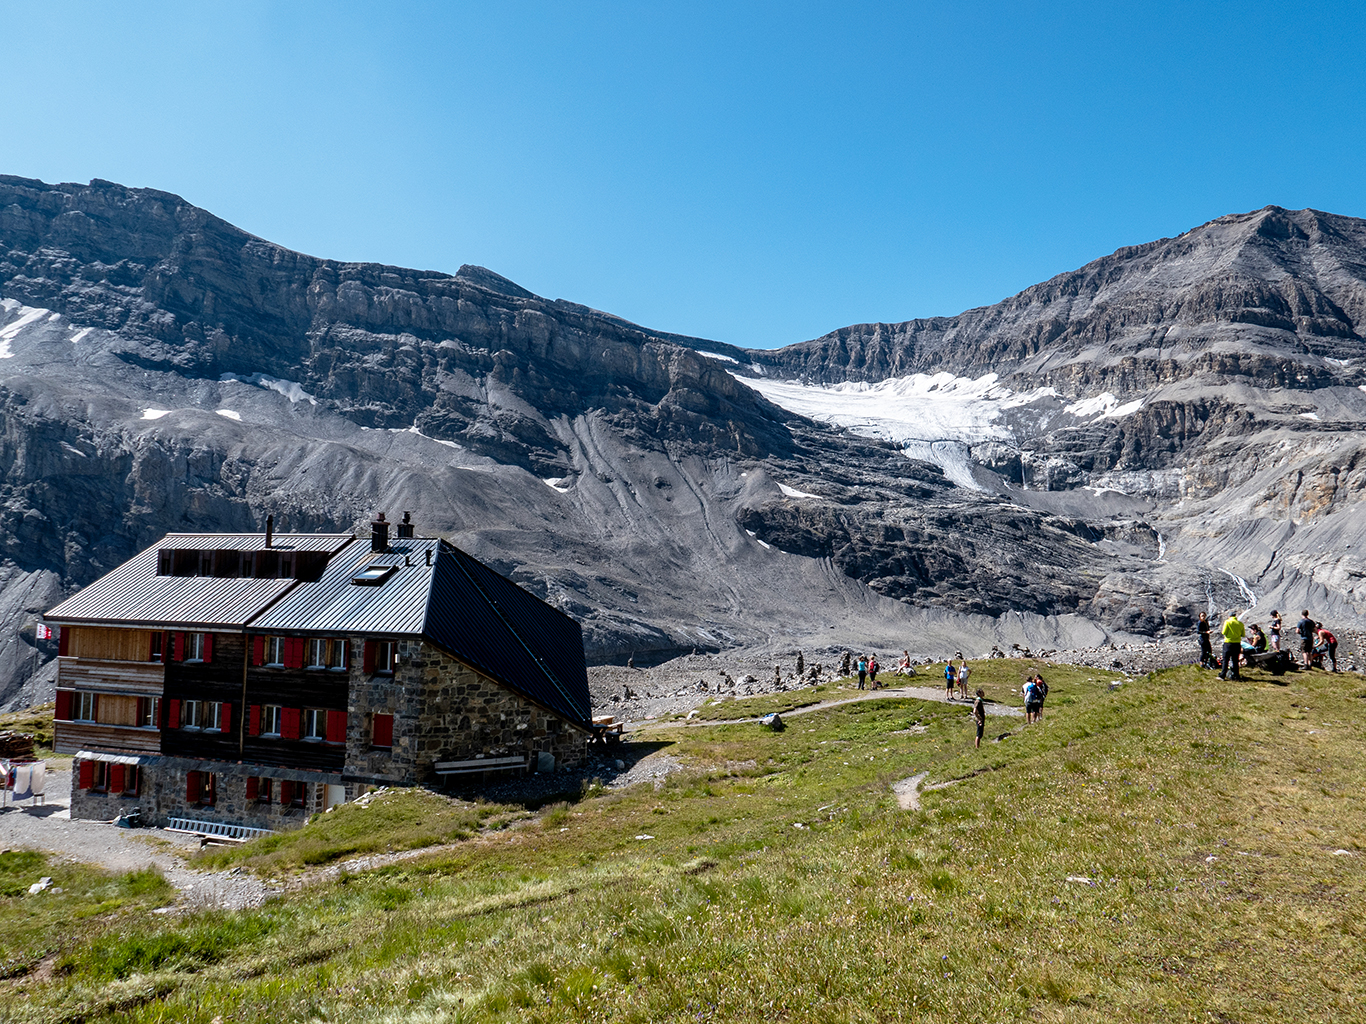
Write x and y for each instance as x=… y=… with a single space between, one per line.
x=1166 y=849
x=1174 y=427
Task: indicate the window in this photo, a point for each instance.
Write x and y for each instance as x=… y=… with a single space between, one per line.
x=132 y=779
x=211 y=715
x=149 y=712
x=373 y=575
x=248 y=563
x=158 y=638
x=201 y=788
x=194 y=647
x=382 y=731
x=293 y=794
x=100 y=783
x=275 y=651
x=270 y=720
x=259 y=790
x=315 y=724
x=384 y=657
x=85 y=706
x=327 y=654
x=190 y=711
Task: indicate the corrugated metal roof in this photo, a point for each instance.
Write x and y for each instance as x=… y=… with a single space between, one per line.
x=396 y=607
x=134 y=595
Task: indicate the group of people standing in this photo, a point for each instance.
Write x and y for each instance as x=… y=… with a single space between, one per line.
x=1316 y=642
x=956 y=676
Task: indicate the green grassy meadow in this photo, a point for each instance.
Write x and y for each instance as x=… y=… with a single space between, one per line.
x=1164 y=850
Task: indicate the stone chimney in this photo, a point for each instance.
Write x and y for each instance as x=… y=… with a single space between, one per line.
x=270 y=529
x=379 y=534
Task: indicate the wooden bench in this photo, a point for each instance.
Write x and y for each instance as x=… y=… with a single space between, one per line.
x=606 y=729
x=481 y=764
x=216 y=831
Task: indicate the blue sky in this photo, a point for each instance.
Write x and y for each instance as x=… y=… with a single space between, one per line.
x=756 y=173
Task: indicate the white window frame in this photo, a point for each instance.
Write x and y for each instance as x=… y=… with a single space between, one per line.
x=275 y=652
x=313 y=728
x=190 y=712
x=317 y=653
x=194 y=647
x=336 y=655
x=152 y=719
x=384 y=657
x=211 y=718
x=85 y=706
x=271 y=716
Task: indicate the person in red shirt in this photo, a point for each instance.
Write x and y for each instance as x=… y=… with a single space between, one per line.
x=1330 y=642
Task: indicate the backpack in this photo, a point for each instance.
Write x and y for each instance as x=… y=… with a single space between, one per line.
x=1042 y=689
x=1031 y=693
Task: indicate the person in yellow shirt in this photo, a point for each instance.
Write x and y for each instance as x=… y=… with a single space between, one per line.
x=1233 y=642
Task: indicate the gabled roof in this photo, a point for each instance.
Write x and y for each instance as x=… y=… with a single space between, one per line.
x=435 y=592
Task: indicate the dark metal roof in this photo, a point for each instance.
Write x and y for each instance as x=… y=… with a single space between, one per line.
x=134 y=595
x=509 y=634
x=395 y=607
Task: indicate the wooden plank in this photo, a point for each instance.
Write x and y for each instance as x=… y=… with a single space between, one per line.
x=144 y=679
x=71 y=737
x=110 y=644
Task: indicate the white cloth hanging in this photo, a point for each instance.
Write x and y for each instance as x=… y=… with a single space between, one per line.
x=37 y=779
x=22 y=779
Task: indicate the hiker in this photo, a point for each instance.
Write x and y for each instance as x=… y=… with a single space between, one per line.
x=1255 y=642
x=872 y=672
x=1327 y=644
x=979 y=715
x=1233 y=641
x=950 y=678
x=904 y=665
x=862 y=671
x=964 y=670
x=1305 y=628
x=1206 y=651
x=1041 y=688
x=1030 y=691
x=1275 y=630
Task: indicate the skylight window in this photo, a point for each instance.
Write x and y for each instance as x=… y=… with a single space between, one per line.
x=373 y=575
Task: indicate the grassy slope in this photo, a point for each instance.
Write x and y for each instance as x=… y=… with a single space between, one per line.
x=1203 y=817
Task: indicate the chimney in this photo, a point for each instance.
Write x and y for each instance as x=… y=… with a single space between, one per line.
x=270 y=529
x=405 y=528
x=379 y=534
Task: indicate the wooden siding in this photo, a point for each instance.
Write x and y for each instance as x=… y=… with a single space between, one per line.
x=144 y=680
x=221 y=680
x=110 y=644
x=73 y=736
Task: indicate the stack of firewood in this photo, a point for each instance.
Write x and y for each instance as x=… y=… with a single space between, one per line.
x=16 y=746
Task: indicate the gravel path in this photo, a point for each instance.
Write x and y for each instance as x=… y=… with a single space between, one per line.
x=50 y=828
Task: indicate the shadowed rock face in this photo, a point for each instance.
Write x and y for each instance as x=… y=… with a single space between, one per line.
x=161 y=369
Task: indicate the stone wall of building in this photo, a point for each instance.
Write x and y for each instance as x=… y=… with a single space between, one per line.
x=445 y=711
x=163 y=792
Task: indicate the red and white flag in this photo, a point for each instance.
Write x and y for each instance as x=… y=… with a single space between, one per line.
x=44 y=632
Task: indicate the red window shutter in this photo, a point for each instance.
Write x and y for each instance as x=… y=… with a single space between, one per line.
x=225 y=717
x=173 y=715
x=254 y=720
x=383 y=731
x=87 y=774
x=336 y=727
x=208 y=647
x=253 y=789
x=258 y=650
x=63 y=712
x=294 y=652
x=289 y=723
x=179 y=648
x=367 y=658
x=286 y=791
x=63 y=641
x=116 y=778
x=192 y=787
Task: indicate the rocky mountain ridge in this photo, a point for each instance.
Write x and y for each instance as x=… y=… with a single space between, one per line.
x=161 y=369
